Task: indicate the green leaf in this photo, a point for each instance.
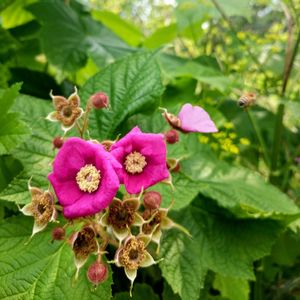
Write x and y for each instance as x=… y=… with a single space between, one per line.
x=13 y=130
x=225 y=285
x=236 y=7
x=242 y=191
x=140 y=291
x=124 y=29
x=36 y=153
x=173 y=66
x=41 y=270
x=161 y=36
x=223 y=245
x=15 y=14
x=132 y=84
x=78 y=35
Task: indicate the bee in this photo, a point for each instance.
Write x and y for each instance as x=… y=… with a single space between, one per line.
x=246 y=100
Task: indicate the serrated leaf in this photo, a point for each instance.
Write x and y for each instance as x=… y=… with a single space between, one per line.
x=78 y=35
x=223 y=245
x=242 y=191
x=13 y=130
x=132 y=84
x=40 y=270
x=36 y=153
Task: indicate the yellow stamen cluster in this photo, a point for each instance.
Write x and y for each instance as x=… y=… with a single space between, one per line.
x=135 y=163
x=88 y=178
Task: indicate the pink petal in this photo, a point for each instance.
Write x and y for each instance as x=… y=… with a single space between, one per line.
x=195 y=119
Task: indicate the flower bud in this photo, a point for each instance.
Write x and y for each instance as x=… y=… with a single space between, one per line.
x=99 y=100
x=58 y=142
x=152 y=200
x=172 y=136
x=97 y=272
x=58 y=234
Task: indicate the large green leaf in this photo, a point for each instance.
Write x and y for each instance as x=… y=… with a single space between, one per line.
x=40 y=270
x=78 y=35
x=132 y=84
x=13 y=130
x=238 y=189
x=36 y=153
x=124 y=29
x=223 y=245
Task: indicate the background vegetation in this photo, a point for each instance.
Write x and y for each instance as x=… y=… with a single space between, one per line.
x=237 y=190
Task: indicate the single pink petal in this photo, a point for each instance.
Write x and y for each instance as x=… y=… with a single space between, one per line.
x=195 y=119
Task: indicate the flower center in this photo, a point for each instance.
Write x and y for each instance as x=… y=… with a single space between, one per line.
x=135 y=163
x=42 y=208
x=88 y=178
x=85 y=243
x=147 y=228
x=67 y=111
x=132 y=254
x=120 y=215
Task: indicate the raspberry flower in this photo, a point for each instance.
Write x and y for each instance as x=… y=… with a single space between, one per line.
x=143 y=156
x=67 y=111
x=121 y=215
x=41 y=208
x=84 y=178
x=191 y=119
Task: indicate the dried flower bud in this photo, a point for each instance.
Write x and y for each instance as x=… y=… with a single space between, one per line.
x=152 y=200
x=172 y=136
x=97 y=272
x=172 y=120
x=99 y=100
x=173 y=165
x=58 y=234
x=58 y=142
x=107 y=144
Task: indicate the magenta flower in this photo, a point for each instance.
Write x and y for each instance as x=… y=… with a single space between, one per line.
x=143 y=156
x=191 y=119
x=84 y=178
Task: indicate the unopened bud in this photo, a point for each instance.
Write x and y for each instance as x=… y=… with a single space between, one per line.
x=152 y=200
x=99 y=100
x=58 y=142
x=172 y=136
x=97 y=272
x=58 y=234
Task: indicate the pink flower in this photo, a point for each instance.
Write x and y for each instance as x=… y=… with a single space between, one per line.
x=84 y=178
x=191 y=119
x=143 y=156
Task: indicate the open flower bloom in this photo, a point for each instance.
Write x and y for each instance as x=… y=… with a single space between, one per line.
x=83 y=243
x=143 y=156
x=84 y=178
x=133 y=255
x=41 y=208
x=191 y=119
x=121 y=215
x=67 y=111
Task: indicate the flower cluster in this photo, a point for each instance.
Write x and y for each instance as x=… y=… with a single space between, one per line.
x=87 y=179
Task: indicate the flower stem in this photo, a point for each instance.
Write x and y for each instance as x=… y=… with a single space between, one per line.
x=259 y=137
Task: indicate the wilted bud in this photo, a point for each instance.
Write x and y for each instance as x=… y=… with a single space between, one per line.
x=58 y=234
x=152 y=200
x=58 y=142
x=107 y=144
x=99 y=100
x=173 y=165
x=97 y=272
x=172 y=136
x=172 y=120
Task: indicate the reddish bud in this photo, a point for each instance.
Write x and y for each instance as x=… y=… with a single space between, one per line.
x=99 y=100
x=152 y=200
x=172 y=136
x=58 y=234
x=97 y=272
x=58 y=142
